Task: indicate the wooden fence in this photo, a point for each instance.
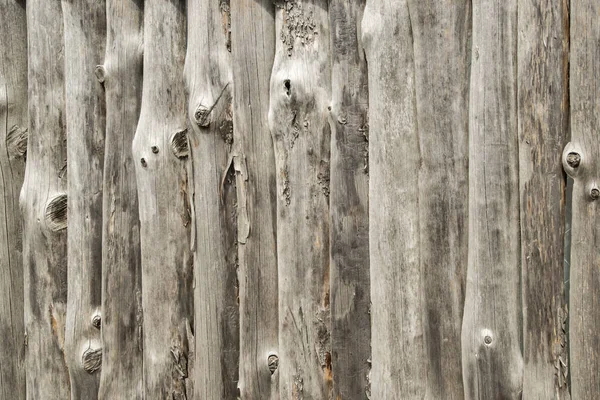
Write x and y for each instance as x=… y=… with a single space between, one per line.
x=299 y=199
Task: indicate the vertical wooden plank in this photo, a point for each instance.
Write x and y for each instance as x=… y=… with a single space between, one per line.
x=13 y=146
x=300 y=94
x=580 y=160
x=209 y=84
x=44 y=204
x=491 y=334
x=349 y=204
x=442 y=34
x=85 y=38
x=253 y=49
x=399 y=363
x=121 y=314
x=164 y=210
x=543 y=127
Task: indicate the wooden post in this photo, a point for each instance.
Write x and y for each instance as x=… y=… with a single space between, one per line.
x=13 y=146
x=581 y=162
x=253 y=49
x=492 y=329
x=164 y=209
x=209 y=85
x=85 y=37
x=349 y=204
x=44 y=204
x=121 y=314
x=300 y=95
x=543 y=128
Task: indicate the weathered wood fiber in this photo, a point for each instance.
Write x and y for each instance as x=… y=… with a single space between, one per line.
x=298 y=120
x=121 y=314
x=209 y=85
x=581 y=161
x=349 y=204
x=491 y=334
x=399 y=358
x=543 y=128
x=442 y=52
x=44 y=205
x=85 y=38
x=13 y=146
x=164 y=209
x=253 y=49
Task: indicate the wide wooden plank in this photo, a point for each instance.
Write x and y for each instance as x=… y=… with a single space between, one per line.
x=44 y=205
x=581 y=161
x=543 y=128
x=300 y=95
x=491 y=334
x=253 y=49
x=164 y=209
x=13 y=146
x=121 y=314
x=349 y=204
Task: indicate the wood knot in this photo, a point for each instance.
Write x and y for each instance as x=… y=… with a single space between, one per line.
x=91 y=360
x=573 y=159
x=487 y=340
x=16 y=141
x=179 y=361
x=595 y=193
x=154 y=149
x=202 y=116
x=273 y=363
x=143 y=162
x=56 y=213
x=97 y=321
x=179 y=144
x=100 y=73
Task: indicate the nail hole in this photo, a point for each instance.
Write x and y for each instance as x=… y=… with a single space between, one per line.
x=143 y=161
x=155 y=149
x=288 y=86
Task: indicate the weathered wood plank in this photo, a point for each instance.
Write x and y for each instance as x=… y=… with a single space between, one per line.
x=44 y=204
x=491 y=334
x=442 y=34
x=13 y=145
x=543 y=128
x=300 y=94
x=253 y=49
x=581 y=161
x=209 y=84
x=121 y=314
x=349 y=204
x=399 y=362
x=164 y=210
x=85 y=38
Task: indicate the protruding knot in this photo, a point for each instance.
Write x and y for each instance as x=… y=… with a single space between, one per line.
x=96 y=321
x=56 y=213
x=202 y=116
x=572 y=159
x=91 y=360
x=100 y=73
x=273 y=363
x=179 y=144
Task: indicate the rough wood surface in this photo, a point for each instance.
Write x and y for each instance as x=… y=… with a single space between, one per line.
x=13 y=146
x=491 y=335
x=209 y=85
x=349 y=204
x=442 y=35
x=399 y=362
x=543 y=128
x=253 y=21
x=164 y=210
x=581 y=161
x=298 y=120
x=85 y=38
x=121 y=314
x=44 y=205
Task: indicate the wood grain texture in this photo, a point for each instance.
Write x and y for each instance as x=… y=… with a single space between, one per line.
x=253 y=22
x=164 y=210
x=13 y=146
x=399 y=362
x=85 y=38
x=580 y=160
x=44 y=204
x=349 y=204
x=300 y=95
x=491 y=334
x=442 y=35
x=543 y=116
x=209 y=85
x=121 y=313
